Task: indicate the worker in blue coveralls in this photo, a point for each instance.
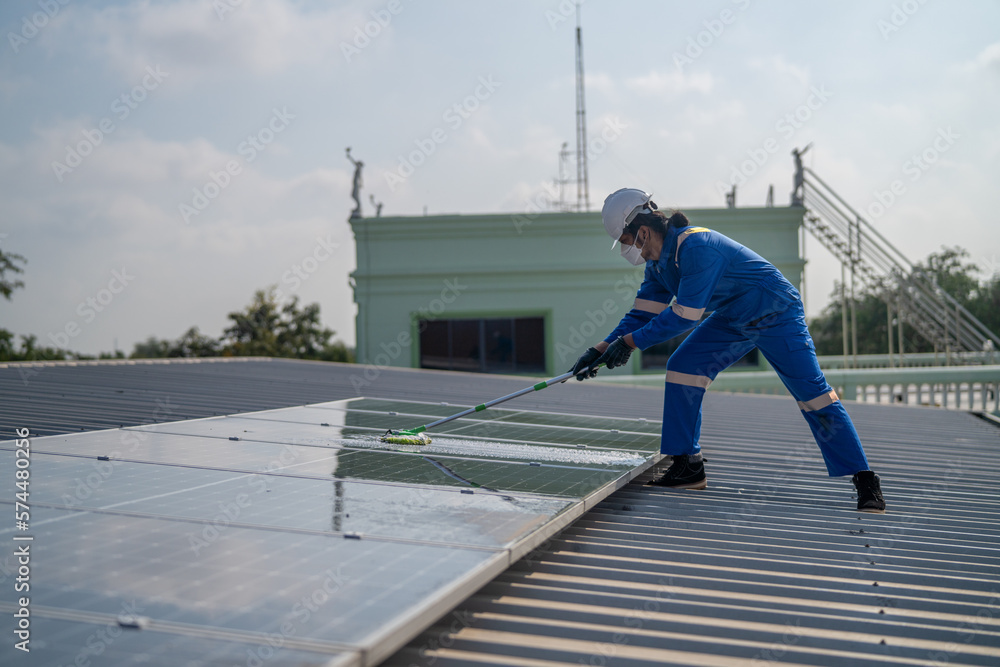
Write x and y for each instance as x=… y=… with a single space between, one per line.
x=694 y=270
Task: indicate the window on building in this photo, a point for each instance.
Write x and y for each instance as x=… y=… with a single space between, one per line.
x=493 y=345
x=655 y=358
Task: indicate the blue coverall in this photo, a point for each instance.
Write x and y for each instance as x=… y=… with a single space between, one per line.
x=751 y=305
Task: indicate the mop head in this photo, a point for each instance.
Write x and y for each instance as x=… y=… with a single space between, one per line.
x=405 y=438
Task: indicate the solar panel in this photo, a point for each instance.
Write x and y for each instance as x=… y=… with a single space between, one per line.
x=153 y=447
x=229 y=529
x=99 y=639
x=246 y=580
x=382 y=406
x=333 y=504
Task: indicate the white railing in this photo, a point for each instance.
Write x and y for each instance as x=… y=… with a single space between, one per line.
x=920 y=359
x=975 y=388
x=974 y=396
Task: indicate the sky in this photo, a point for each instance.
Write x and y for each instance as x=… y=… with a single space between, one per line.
x=161 y=161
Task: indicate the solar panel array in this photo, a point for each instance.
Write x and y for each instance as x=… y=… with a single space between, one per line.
x=294 y=536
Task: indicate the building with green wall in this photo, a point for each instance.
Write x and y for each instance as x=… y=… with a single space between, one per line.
x=522 y=293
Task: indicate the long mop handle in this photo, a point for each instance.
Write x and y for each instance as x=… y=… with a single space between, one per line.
x=495 y=401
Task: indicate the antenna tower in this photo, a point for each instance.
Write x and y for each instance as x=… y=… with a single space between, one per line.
x=563 y=179
x=582 y=187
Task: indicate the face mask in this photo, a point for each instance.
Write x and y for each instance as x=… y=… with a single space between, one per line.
x=633 y=254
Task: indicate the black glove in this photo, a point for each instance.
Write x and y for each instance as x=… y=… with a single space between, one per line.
x=617 y=354
x=584 y=362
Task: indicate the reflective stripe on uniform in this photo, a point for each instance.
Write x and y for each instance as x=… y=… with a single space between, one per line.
x=689 y=380
x=819 y=402
x=683 y=237
x=687 y=313
x=654 y=307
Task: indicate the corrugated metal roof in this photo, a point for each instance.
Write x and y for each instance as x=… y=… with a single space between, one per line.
x=769 y=565
x=61 y=397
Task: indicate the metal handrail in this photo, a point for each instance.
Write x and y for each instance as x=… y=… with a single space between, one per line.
x=929 y=308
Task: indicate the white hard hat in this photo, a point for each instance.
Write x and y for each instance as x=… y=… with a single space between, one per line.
x=621 y=207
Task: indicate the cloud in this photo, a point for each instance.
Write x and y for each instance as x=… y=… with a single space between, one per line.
x=714 y=115
x=599 y=82
x=778 y=65
x=671 y=83
x=988 y=60
x=120 y=209
x=911 y=117
x=195 y=39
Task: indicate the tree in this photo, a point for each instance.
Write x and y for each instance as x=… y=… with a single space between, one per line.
x=8 y=262
x=337 y=351
x=7 y=350
x=29 y=351
x=302 y=336
x=953 y=274
x=985 y=303
x=194 y=344
x=151 y=348
x=869 y=309
x=254 y=332
x=266 y=328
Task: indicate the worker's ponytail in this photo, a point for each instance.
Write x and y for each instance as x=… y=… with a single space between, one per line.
x=677 y=219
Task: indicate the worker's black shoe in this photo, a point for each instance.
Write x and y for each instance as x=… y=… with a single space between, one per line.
x=683 y=474
x=869 y=492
